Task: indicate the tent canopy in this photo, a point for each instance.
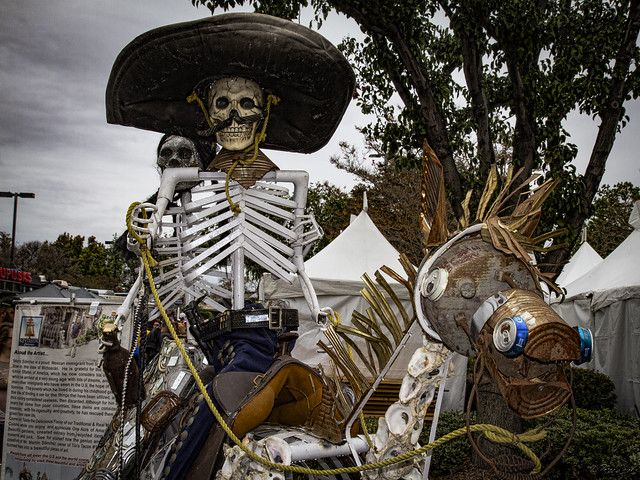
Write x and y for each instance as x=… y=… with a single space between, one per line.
x=55 y=291
x=618 y=275
x=360 y=248
x=606 y=300
x=581 y=262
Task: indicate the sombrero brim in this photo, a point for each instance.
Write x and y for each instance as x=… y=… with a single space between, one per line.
x=153 y=76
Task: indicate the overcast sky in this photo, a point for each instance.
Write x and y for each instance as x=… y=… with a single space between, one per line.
x=55 y=60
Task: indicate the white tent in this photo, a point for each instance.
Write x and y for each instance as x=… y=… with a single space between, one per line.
x=581 y=262
x=335 y=273
x=606 y=300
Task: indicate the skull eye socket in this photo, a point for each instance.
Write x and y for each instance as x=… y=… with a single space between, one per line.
x=222 y=102
x=247 y=103
x=166 y=152
x=184 y=153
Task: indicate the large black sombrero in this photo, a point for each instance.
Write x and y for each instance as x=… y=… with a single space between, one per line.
x=153 y=76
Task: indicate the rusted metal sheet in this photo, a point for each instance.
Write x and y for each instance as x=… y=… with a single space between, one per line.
x=531 y=389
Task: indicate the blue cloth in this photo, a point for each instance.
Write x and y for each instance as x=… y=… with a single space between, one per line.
x=243 y=350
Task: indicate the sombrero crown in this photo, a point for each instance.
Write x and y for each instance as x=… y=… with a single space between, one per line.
x=153 y=76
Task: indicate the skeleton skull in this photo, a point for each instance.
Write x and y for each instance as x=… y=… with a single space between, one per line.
x=233 y=100
x=179 y=152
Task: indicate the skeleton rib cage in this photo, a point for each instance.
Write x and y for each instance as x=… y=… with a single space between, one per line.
x=200 y=233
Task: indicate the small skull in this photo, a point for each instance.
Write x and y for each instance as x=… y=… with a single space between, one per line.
x=179 y=152
x=233 y=100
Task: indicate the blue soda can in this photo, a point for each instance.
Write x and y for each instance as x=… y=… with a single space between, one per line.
x=586 y=344
x=510 y=336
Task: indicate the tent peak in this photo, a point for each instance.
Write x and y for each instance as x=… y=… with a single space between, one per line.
x=634 y=218
x=365 y=204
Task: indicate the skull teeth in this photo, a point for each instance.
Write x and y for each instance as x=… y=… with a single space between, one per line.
x=242 y=132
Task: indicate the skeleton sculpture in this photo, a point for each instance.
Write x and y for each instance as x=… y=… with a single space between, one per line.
x=221 y=78
x=270 y=229
x=219 y=221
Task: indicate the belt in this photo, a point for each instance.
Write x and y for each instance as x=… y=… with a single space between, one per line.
x=273 y=318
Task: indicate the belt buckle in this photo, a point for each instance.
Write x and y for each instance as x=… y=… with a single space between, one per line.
x=275 y=318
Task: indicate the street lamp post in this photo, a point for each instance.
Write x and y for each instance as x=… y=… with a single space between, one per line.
x=15 y=214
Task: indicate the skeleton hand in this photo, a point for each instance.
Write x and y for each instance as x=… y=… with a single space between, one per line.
x=143 y=224
x=308 y=232
x=321 y=316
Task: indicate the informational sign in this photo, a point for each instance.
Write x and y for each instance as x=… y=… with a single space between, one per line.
x=59 y=402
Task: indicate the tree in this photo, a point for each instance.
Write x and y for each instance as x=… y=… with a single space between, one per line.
x=5 y=248
x=67 y=258
x=393 y=195
x=332 y=209
x=72 y=245
x=526 y=64
x=609 y=225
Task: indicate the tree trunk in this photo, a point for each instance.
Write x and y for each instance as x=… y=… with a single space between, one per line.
x=493 y=410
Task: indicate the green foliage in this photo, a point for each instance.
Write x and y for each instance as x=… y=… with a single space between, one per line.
x=605 y=446
x=5 y=249
x=593 y=390
x=68 y=258
x=332 y=208
x=454 y=455
x=608 y=225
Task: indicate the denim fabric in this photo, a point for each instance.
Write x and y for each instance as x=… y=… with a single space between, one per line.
x=243 y=350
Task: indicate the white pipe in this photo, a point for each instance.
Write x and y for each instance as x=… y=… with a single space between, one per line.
x=300 y=180
x=123 y=311
x=436 y=415
x=321 y=449
x=237 y=259
x=170 y=178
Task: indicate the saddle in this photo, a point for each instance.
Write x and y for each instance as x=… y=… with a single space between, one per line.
x=290 y=393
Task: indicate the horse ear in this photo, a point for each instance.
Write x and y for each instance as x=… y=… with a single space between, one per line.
x=433 y=212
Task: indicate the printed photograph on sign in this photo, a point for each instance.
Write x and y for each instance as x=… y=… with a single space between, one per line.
x=30 y=332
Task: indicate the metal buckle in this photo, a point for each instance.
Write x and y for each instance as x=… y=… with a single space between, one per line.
x=275 y=318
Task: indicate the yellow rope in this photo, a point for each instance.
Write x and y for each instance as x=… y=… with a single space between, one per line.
x=260 y=137
x=504 y=435
x=195 y=98
x=146 y=254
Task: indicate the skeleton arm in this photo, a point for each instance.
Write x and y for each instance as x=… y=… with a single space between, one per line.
x=300 y=180
x=147 y=228
x=123 y=312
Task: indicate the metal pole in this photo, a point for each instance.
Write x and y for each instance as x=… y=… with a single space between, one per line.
x=13 y=230
x=15 y=196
